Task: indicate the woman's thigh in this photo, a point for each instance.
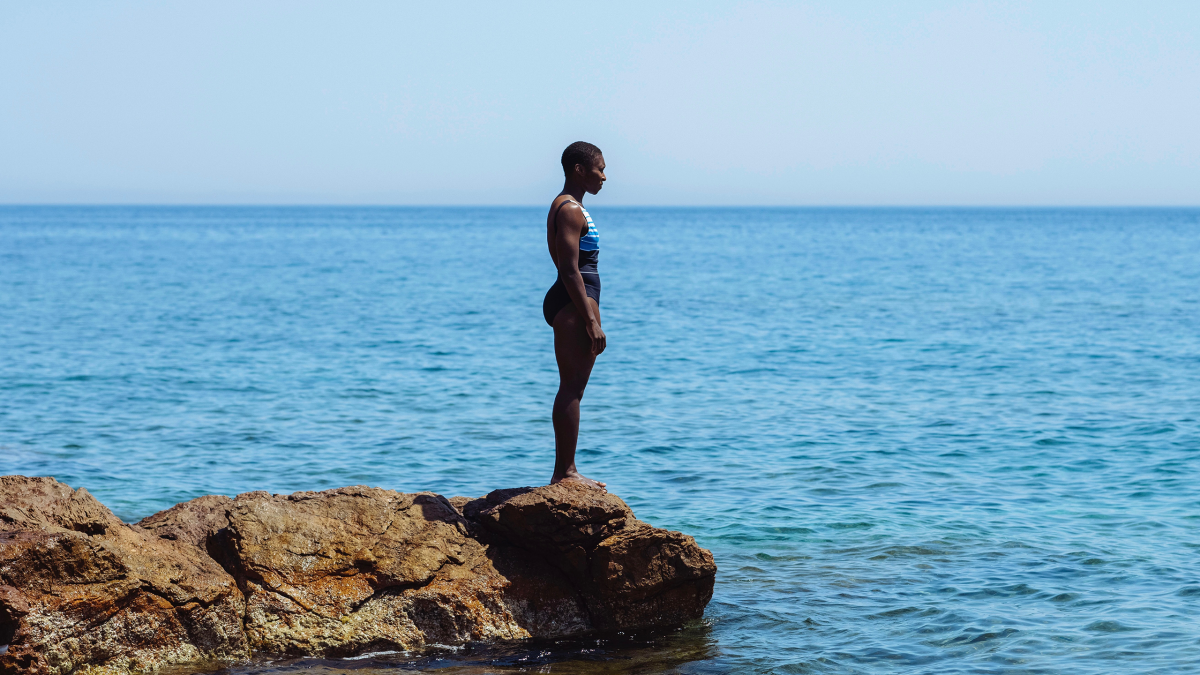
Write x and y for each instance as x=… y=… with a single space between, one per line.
x=573 y=347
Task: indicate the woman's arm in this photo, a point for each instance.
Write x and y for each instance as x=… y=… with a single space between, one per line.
x=570 y=227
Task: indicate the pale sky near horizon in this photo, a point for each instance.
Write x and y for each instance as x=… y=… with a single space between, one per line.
x=780 y=103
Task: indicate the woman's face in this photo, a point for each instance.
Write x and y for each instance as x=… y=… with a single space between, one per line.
x=593 y=176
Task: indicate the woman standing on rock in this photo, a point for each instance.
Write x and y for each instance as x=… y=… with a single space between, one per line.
x=572 y=305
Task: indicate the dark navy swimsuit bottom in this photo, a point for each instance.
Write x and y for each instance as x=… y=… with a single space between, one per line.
x=557 y=297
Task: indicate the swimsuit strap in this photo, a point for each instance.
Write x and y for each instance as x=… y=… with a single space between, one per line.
x=559 y=208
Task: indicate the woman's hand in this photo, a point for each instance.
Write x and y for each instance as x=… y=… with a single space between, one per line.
x=596 y=334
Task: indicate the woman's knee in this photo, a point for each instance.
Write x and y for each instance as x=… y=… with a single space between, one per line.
x=571 y=390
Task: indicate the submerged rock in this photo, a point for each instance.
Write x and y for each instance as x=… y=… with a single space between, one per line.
x=333 y=573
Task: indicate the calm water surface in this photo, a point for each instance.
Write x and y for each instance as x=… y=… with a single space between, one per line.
x=916 y=441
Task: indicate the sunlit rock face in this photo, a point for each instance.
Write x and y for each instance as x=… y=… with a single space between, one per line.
x=344 y=571
x=80 y=588
x=334 y=573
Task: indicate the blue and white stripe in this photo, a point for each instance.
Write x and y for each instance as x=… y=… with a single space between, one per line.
x=590 y=241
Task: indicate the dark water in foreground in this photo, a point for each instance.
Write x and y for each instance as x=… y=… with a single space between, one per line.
x=917 y=441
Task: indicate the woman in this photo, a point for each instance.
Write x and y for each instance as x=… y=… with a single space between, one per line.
x=572 y=305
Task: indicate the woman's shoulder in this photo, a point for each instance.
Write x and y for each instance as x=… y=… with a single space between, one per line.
x=564 y=204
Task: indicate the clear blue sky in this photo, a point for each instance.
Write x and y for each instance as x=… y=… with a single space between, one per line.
x=838 y=102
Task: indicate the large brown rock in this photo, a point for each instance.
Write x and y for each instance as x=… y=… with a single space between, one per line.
x=361 y=569
x=333 y=573
x=80 y=588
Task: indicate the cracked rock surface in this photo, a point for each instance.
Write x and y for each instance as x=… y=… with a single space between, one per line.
x=358 y=569
x=333 y=573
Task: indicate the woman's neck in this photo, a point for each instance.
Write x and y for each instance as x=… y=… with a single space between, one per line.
x=575 y=191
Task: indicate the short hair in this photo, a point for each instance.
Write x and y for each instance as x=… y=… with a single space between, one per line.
x=579 y=152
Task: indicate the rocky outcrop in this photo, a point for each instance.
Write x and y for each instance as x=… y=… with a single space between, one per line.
x=629 y=574
x=362 y=569
x=80 y=588
x=348 y=571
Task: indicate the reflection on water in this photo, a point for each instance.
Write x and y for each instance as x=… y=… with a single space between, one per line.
x=684 y=650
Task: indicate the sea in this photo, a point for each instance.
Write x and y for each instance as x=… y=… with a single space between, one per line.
x=916 y=440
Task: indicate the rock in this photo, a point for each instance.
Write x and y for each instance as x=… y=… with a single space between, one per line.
x=644 y=576
x=630 y=575
x=200 y=522
x=551 y=518
x=80 y=588
x=192 y=522
x=45 y=504
x=334 y=573
x=360 y=569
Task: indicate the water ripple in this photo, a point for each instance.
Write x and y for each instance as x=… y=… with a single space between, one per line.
x=951 y=441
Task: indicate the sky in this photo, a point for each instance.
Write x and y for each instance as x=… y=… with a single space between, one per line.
x=693 y=103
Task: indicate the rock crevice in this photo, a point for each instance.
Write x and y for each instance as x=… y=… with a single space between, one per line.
x=332 y=573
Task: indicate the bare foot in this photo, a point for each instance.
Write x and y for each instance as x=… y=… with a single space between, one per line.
x=576 y=477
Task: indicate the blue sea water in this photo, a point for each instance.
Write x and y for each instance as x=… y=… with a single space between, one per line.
x=916 y=440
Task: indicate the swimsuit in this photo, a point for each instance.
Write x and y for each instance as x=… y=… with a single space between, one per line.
x=589 y=251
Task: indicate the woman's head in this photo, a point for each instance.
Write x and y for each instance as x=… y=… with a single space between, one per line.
x=583 y=163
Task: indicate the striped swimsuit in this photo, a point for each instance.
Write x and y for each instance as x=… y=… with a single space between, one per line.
x=589 y=253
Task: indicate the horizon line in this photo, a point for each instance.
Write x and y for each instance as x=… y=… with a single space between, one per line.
x=539 y=204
